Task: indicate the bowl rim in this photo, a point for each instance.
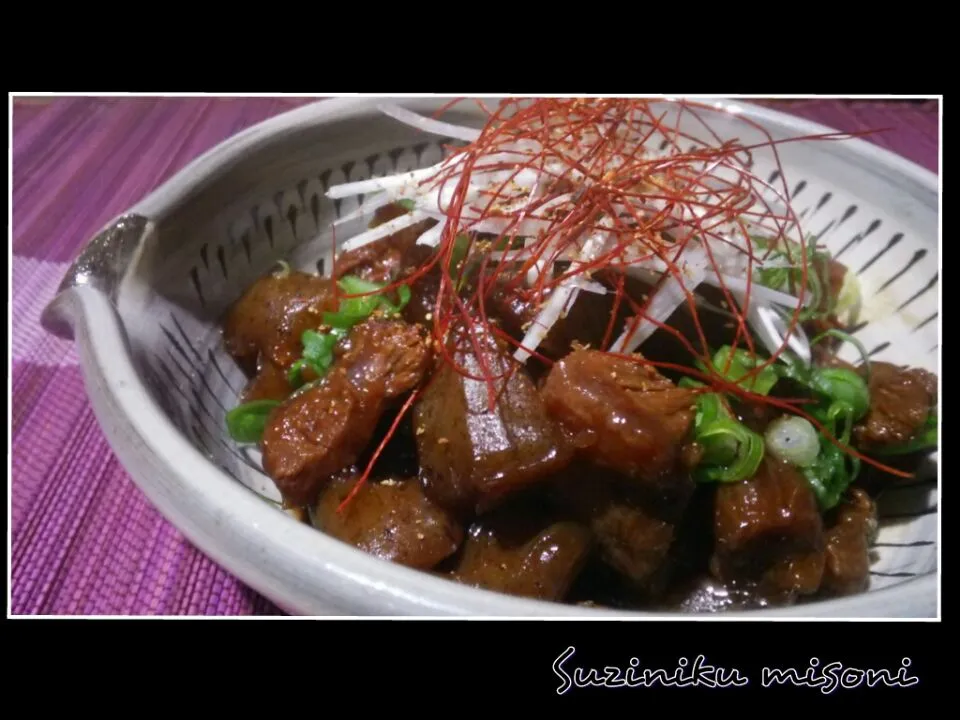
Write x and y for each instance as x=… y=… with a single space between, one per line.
x=265 y=548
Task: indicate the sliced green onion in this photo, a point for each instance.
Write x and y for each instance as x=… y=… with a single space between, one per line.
x=353 y=285
x=318 y=349
x=407 y=204
x=354 y=310
x=404 y=294
x=784 y=277
x=458 y=254
x=294 y=377
x=816 y=290
x=283 y=271
x=304 y=388
x=246 y=422
x=709 y=410
x=740 y=365
x=344 y=320
x=794 y=440
x=731 y=451
x=835 y=386
x=317 y=354
x=831 y=474
x=847 y=337
x=841 y=385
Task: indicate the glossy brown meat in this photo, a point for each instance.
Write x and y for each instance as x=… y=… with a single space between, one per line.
x=270 y=318
x=391 y=519
x=620 y=414
x=270 y=383
x=900 y=401
x=382 y=260
x=385 y=357
x=525 y=554
x=424 y=288
x=472 y=457
x=585 y=322
x=325 y=428
x=716 y=324
x=634 y=531
x=849 y=538
x=769 y=532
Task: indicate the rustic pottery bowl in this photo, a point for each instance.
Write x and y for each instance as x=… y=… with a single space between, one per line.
x=143 y=301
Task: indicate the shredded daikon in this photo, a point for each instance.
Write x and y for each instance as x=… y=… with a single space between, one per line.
x=405 y=183
x=431 y=238
x=371 y=204
x=668 y=297
x=563 y=297
x=382 y=231
x=435 y=127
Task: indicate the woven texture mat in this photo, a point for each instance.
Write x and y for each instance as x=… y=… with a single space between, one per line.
x=85 y=541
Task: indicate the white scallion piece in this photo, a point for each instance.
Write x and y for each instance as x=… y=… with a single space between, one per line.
x=794 y=440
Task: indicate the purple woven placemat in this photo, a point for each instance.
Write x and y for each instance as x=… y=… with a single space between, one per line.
x=85 y=541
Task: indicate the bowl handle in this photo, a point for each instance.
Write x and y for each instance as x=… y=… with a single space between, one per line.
x=102 y=265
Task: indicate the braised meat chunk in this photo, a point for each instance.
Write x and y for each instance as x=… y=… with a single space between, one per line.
x=388 y=357
x=424 y=285
x=382 y=260
x=634 y=529
x=849 y=538
x=473 y=456
x=271 y=317
x=390 y=518
x=620 y=414
x=523 y=553
x=901 y=399
x=607 y=450
x=324 y=429
x=516 y=310
x=270 y=383
x=769 y=532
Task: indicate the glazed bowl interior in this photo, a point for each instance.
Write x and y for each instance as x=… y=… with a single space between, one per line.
x=203 y=238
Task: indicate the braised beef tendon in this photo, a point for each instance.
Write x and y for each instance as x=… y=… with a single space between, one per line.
x=316 y=433
x=382 y=260
x=631 y=470
x=390 y=518
x=769 y=533
x=516 y=310
x=424 y=285
x=849 y=537
x=522 y=552
x=323 y=429
x=901 y=400
x=634 y=529
x=270 y=383
x=620 y=414
x=473 y=456
x=267 y=322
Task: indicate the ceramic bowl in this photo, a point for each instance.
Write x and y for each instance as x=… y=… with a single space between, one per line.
x=144 y=298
